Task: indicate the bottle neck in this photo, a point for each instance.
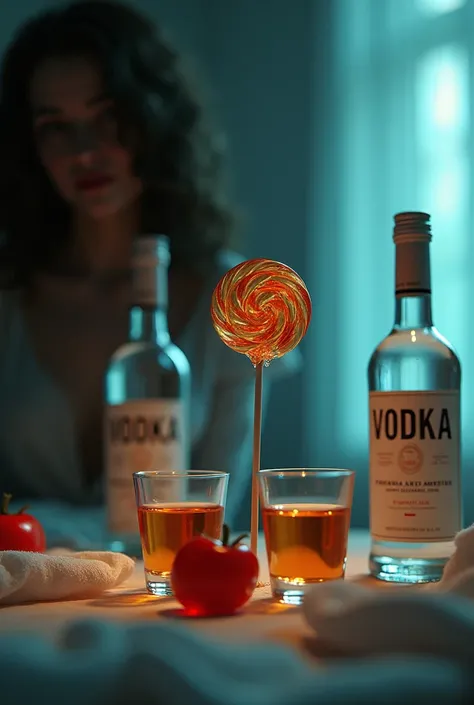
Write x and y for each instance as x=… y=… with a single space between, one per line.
x=149 y=325
x=413 y=312
x=413 y=285
x=149 y=313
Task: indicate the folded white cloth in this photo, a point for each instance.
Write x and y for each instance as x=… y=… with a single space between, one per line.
x=435 y=619
x=35 y=577
x=164 y=664
x=459 y=570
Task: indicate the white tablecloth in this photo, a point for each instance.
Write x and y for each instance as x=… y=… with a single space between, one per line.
x=125 y=647
x=262 y=619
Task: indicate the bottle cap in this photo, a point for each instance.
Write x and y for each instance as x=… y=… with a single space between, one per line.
x=150 y=260
x=412 y=226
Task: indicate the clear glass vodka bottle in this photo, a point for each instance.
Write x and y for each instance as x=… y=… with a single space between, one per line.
x=414 y=418
x=147 y=388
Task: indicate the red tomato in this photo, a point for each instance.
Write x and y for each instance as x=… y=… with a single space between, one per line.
x=210 y=578
x=20 y=532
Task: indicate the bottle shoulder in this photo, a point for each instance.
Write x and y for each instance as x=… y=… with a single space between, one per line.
x=420 y=359
x=415 y=342
x=134 y=354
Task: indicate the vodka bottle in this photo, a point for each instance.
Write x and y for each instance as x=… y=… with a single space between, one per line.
x=147 y=387
x=414 y=419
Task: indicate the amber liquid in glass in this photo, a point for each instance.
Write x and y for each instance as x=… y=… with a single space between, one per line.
x=306 y=543
x=165 y=528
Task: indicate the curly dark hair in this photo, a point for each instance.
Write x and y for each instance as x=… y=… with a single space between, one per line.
x=178 y=155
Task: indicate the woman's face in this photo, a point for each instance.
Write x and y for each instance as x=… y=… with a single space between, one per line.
x=76 y=134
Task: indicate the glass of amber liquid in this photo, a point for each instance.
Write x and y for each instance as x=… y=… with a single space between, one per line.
x=173 y=508
x=306 y=517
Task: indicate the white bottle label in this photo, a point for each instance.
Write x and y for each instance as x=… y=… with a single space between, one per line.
x=146 y=434
x=415 y=466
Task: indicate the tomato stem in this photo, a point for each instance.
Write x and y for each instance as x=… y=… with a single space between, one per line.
x=239 y=539
x=225 y=535
x=5 y=503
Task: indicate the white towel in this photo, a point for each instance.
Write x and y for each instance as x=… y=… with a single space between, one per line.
x=35 y=577
x=434 y=619
x=458 y=573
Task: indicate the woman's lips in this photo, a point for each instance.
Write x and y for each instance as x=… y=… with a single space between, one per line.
x=93 y=182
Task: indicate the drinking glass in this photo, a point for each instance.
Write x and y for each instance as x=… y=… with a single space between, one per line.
x=306 y=517
x=174 y=507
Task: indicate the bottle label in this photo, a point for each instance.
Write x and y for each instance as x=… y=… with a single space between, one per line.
x=146 y=434
x=415 y=466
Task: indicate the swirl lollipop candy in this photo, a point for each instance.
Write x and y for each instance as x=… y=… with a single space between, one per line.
x=262 y=309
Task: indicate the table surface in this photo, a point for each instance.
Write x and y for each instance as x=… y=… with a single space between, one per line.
x=261 y=620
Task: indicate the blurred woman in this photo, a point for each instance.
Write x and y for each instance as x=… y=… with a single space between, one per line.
x=102 y=137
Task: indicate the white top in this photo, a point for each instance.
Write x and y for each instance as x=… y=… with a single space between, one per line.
x=39 y=456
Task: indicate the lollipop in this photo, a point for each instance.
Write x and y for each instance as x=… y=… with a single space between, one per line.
x=261 y=309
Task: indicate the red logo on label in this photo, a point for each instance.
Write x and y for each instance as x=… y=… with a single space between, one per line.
x=410 y=459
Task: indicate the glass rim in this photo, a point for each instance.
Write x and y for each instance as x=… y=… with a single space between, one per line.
x=328 y=473
x=180 y=474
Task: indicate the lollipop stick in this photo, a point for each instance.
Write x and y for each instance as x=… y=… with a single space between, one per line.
x=257 y=434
